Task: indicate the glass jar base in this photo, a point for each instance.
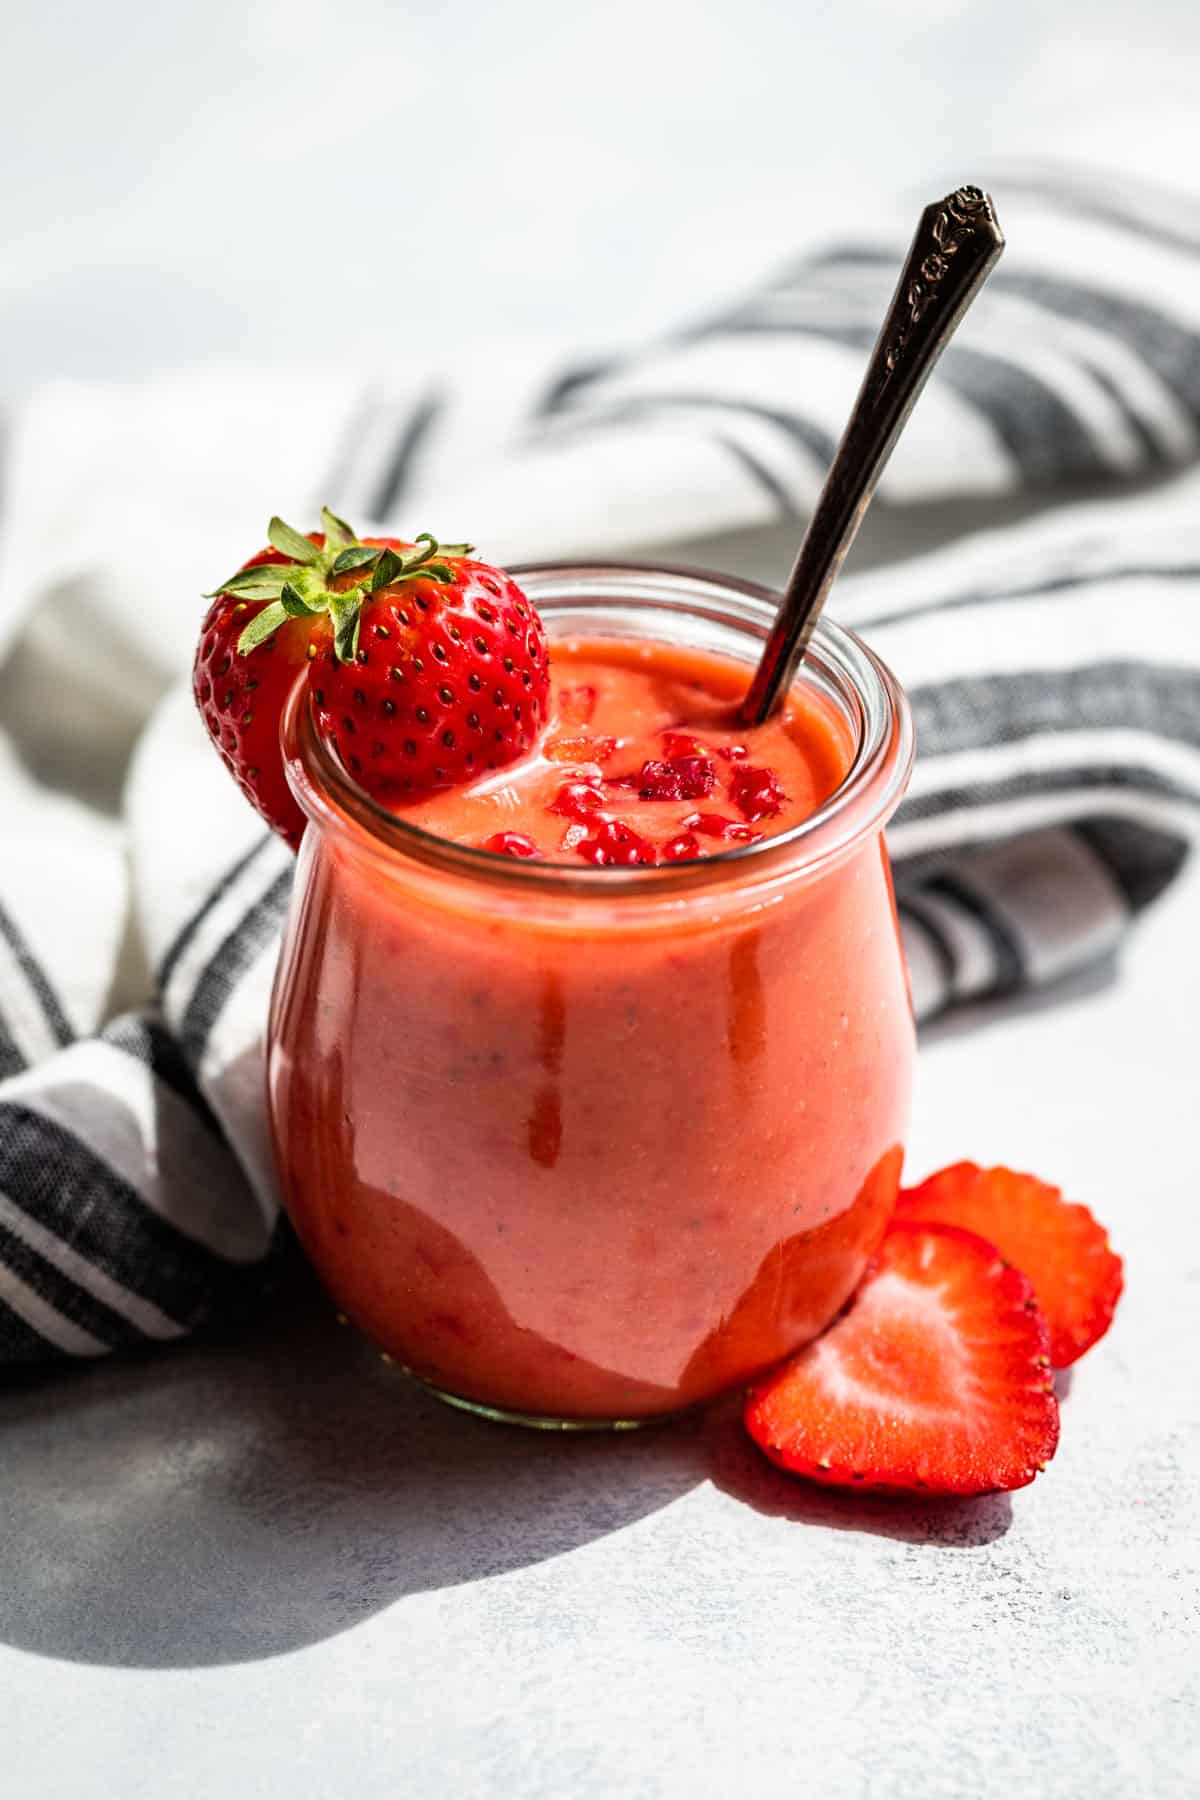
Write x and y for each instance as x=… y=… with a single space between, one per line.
x=501 y=1415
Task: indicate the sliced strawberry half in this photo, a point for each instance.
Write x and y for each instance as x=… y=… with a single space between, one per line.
x=935 y=1379
x=1064 y=1251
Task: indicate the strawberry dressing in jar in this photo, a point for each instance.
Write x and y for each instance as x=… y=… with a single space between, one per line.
x=584 y=1141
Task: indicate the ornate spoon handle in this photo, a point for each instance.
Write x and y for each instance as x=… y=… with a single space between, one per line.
x=958 y=243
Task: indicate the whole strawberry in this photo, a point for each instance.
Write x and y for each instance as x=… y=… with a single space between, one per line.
x=425 y=668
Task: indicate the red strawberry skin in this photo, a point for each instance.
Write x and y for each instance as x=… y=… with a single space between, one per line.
x=936 y=1379
x=1064 y=1251
x=241 y=699
x=444 y=676
x=450 y=680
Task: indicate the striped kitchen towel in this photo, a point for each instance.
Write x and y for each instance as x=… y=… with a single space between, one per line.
x=1054 y=668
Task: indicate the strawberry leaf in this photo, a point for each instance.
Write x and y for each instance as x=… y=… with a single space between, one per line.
x=254 y=590
x=261 y=626
x=295 y=605
x=291 y=543
x=337 y=533
x=256 y=582
x=388 y=569
x=358 y=556
x=346 y=611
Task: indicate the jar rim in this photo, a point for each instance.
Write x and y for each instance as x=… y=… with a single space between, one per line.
x=869 y=791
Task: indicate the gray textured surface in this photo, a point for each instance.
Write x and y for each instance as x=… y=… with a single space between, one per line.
x=272 y=1568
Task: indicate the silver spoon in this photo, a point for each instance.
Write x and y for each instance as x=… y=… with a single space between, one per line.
x=957 y=245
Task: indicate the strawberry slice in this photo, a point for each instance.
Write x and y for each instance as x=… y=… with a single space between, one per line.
x=937 y=1377
x=1063 y=1250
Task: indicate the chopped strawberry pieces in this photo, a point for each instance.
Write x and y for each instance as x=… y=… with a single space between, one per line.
x=614 y=845
x=579 y=749
x=733 y=752
x=716 y=825
x=511 y=843
x=935 y=1379
x=1060 y=1247
x=577 y=800
x=689 y=774
x=755 y=792
x=681 y=743
x=683 y=778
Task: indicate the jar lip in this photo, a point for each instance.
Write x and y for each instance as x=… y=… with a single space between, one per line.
x=863 y=801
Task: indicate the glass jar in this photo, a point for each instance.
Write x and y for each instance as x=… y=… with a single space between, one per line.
x=583 y=1146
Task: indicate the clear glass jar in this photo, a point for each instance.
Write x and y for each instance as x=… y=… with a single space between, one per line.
x=584 y=1146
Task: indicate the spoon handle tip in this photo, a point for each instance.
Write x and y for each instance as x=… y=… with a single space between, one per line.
x=957 y=244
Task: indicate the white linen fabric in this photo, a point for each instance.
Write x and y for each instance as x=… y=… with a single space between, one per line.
x=1054 y=670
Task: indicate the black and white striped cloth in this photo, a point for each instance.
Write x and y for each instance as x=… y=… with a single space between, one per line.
x=1054 y=668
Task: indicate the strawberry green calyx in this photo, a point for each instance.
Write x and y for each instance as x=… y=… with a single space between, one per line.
x=314 y=579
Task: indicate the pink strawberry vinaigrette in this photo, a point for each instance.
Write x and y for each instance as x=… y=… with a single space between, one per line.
x=595 y=1123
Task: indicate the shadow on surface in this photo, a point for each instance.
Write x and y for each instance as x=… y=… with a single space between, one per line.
x=737 y=1468
x=231 y=1501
